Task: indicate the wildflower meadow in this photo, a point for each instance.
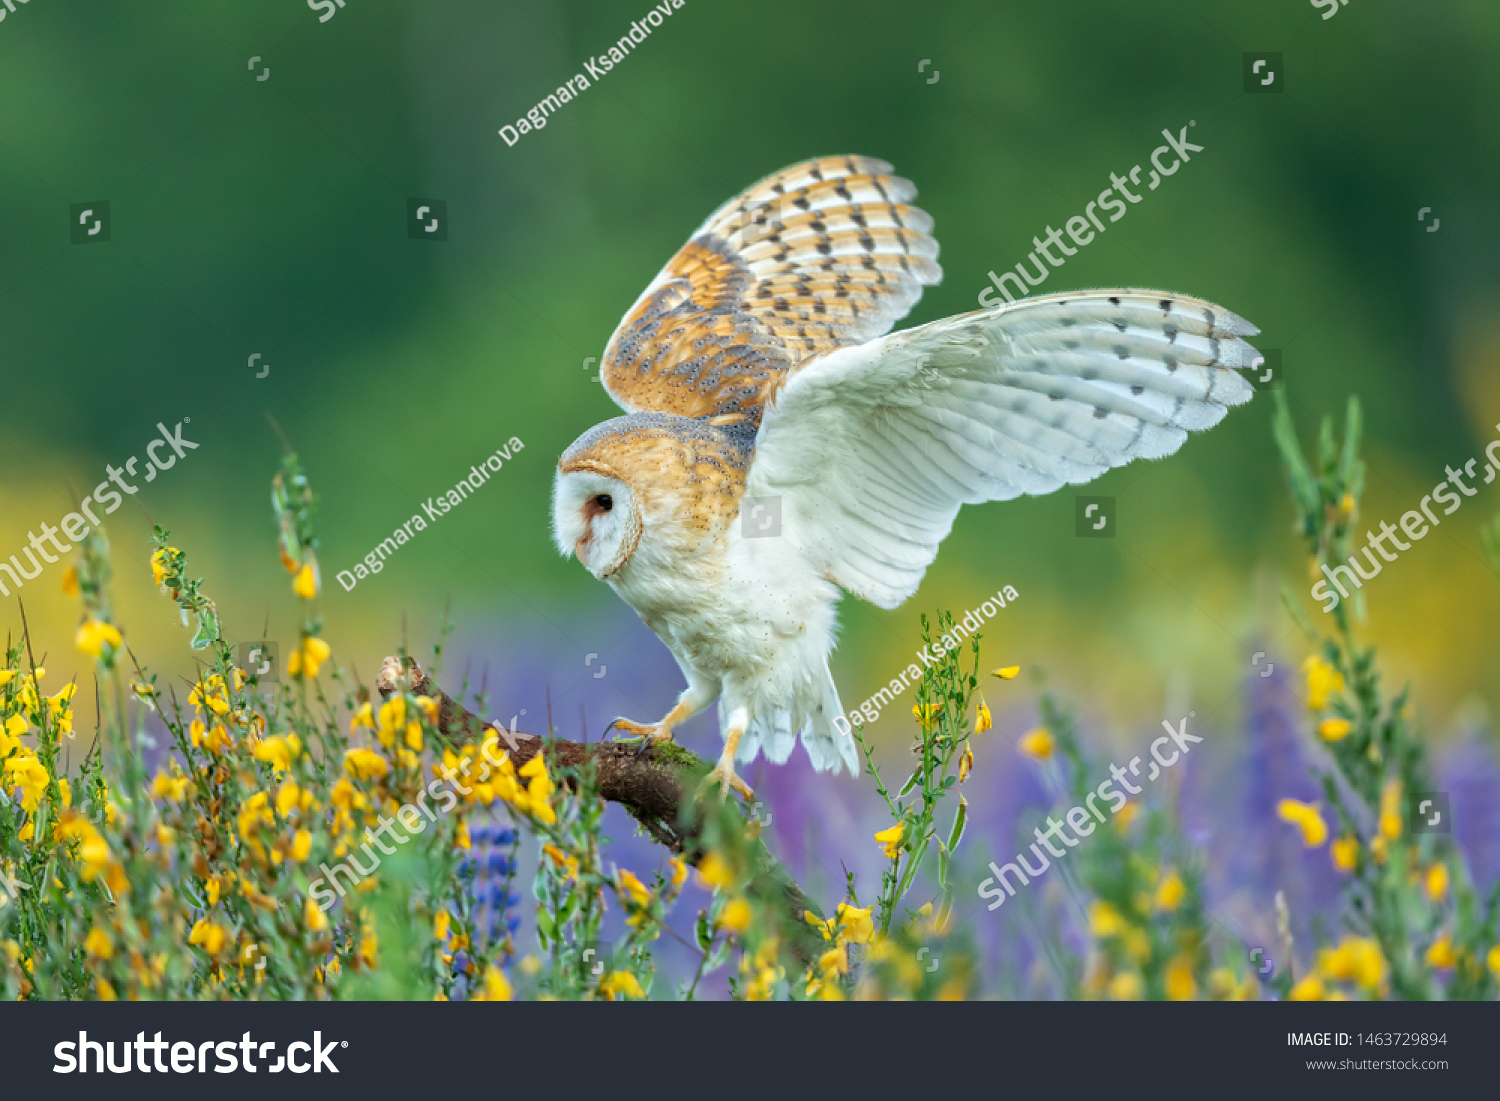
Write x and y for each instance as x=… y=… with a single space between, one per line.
x=320 y=838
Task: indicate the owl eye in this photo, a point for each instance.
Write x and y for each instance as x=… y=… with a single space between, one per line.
x=605 y=501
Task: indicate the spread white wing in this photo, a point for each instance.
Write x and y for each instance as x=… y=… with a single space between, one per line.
x=873 y=448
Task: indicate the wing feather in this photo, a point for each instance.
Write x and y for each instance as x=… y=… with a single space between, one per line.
x=874 y=448
x=822 y=255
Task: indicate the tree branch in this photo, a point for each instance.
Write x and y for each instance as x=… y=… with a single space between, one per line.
x=659 y=788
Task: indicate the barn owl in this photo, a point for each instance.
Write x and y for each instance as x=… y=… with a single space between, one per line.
x=757 y=374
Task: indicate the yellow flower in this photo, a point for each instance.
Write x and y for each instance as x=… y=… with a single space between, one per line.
x=679 y=873
x=208 y=935
x=174 y=788
x=1390 y=810
x=160 y=564
x=855 y=925
x=306 y=584
x=106 y=990
x=966 y=762
x=208 y=695
x=1441 y=954
x=10 y=733
x=301 y=846
x=1322 y=681
x=1333 y=730
x=1356 y=959
x=1179 y=980
x=441 y=924
x=715 y=872
x=1437 y=882
x=1104 y=919
x=314 y=918
x=1307 y=818
x=824 y=991
x=254 y=813
x=308 y=658
x=925 y=714
x=1309 y=989
x=366 y=764
x=496 y=986
x=632 y=889
x=1126 y=987
x=983 y=720
x=1037 y=744
x=1007 y=673
x=891 y=839
x=279 y=752
x=835 y=961
x=24 y=774
x=70 y=581
x=1346 y=506
x=1170 y=892
x=1493 y=960
x=824 y=927
x=736 y=915
x=569 y=863
x=95 y=635
x=362 y=718
x=98 y=943
x=1345 y=852
x=621 y=984
x=390 y=720
x=288 y=796
x=540 y=789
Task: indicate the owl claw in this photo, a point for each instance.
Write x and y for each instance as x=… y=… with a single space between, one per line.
x=648 y=735
x=723 y=775
x=632 y=729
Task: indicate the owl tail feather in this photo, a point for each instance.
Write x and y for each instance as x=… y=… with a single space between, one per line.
x=811 y=711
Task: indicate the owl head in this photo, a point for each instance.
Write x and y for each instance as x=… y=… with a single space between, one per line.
x=654 y=485
x=595 y=516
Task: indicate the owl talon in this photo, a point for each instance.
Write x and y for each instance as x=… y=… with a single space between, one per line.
x=650 y=740
x=647 y=735
x=632 y=729
x=723 y=775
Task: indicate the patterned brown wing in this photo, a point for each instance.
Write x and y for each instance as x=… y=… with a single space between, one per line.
x=823 y=254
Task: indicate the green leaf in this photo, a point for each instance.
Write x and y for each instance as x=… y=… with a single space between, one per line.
x=208 y=631
x=718 y=958
x=960 y=820
x=1304 y=488
x=916 y=778
x=1327 y=449
x=1351 y=469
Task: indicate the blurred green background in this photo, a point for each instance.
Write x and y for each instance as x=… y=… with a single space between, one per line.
x=269 y=216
